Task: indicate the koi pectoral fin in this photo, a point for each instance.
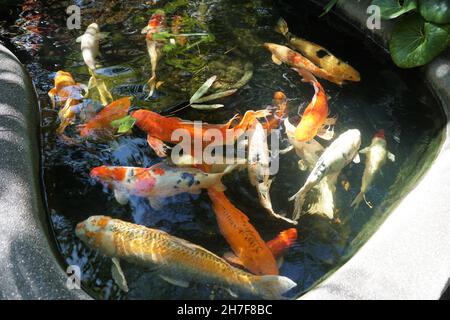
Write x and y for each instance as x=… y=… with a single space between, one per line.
x=357 y=159
x=175 y=282
x=391 y=157
x=121 y=197
x=118 y=275
x=232 y=259
x=156 y=203
x=326 y=133
x=276 y=60
x=158 y=146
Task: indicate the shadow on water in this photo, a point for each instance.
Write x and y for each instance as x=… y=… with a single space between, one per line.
x=387 y=98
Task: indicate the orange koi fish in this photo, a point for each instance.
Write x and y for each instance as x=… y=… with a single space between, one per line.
x=176 y=261
x=66 y=94
x=281 y=109
x=315 y=118
x=282 y=54
x=278 y=246
x=160 y=129
x=156 y=24
x=102 y=121
x=157 y=182
x=242 y=237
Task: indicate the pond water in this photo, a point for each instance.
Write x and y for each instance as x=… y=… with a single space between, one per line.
x=386 y=98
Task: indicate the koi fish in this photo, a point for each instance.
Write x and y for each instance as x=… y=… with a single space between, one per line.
x=66 y=93
x=323 y=58
x=157 y=182
x=90 y=45
x=175 y=260
x=258 y=167
x=156 y=24
x=309 y=153
x=281 y=109
x=242 y=237
x=282 y=54
x=102 y=121
x=376 y=155
x=278 y=246
x=337 y=156
x=160 y=129
x=315 y=119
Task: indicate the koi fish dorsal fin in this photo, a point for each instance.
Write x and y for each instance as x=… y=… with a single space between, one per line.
x=175 y=282
x=118 y=275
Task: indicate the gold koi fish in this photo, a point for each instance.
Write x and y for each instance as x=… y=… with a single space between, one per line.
x=175 y=260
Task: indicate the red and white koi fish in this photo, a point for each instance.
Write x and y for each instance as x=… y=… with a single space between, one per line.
x=282 y=54
x=315 y=119
x=177 y=261
x=156 y=24
x=157 y=182
x=278 y=246
x=242 y=237
x=337 y=156
x=101 y=123
x=376 y=155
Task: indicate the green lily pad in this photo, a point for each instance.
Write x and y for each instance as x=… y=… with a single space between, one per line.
x=415 y=42
x=124 y=125
x=437 y=11
x=391 y=9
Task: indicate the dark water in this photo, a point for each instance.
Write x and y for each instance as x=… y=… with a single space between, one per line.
x=387 y=98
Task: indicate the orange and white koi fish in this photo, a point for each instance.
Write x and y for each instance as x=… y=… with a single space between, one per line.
x=323 y=58
x=337 y=156
x=280 y=106
x=177 y=261
x=66 y=94
x=160 y=129
x=156 y=24
x=282 y=54
x=258 y=167
x=242 y=237
x=376 y=155
x=278 y=246
x=101 y=123
x=315 y=119
x=157 y=182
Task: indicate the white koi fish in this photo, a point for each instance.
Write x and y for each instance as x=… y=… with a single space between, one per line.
x=337 y=156
x=258 y=167
x=376 y=156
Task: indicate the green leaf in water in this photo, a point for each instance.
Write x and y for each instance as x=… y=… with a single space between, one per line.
x=161 y=36
x=203 y=89
x=391 y=9
x=415 y=42
x=328 y=7
x=437 y=11
x=207 y=106
x=124 y=125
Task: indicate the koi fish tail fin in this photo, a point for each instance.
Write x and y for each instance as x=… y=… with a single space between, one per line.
x=359 y=198
x=272 y=287
x=306 y=75
x=151 y=83
x=298 y=206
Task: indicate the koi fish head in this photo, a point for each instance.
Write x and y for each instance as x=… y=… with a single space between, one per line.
x=93 y=28
x=94 y=232
x=158 y=19
x=109 y=174
x=380 y=134
x=307 y=129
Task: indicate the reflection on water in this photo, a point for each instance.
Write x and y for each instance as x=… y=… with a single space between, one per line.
x=385 y=98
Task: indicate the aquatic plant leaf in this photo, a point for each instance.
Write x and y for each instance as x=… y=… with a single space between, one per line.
x=216 y=96
x=203 y=89
x=124 y=125
x=416 y=42
x=437 y=11
x=391 y=9
x=328 y=7
x=161 y=36
x=207 y=106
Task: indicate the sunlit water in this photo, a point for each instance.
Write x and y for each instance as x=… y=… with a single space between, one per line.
x=387 y=98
